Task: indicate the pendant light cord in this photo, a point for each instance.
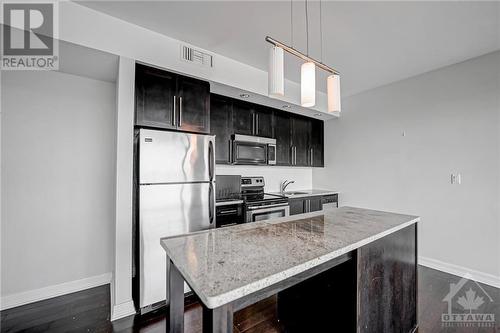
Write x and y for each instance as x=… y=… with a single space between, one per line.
x=321 y=31
x=307 y=31
x=291 y=22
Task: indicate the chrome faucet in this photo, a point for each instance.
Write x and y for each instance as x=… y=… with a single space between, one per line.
x=285 y=184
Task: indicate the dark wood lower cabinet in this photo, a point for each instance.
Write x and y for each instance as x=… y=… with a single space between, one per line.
x=304 y=205
x=296 y=206
x=387 y=283
x=375 y=291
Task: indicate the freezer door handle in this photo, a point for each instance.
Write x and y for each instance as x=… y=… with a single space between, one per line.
x=211 y=159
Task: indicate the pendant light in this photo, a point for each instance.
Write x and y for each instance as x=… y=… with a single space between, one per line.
x=308 y=84
x=307 y=75
x=276 y=75
x=307 y=69
x=333 y=80
x=333 y=92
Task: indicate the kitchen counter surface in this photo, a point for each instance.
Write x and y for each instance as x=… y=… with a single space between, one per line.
x=223 y=265
x=307 y=193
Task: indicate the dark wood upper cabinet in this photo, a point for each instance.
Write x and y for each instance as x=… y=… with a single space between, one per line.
x=299 y=139
x=317 y=144
x=263 y=122
x=221 y=125
x=172 y=101
x=301 y=129
x=243 y=118
x=155 y=97
x=193 y=105
x=283 y=136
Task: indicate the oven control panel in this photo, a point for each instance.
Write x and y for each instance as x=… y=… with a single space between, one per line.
x=252 y=181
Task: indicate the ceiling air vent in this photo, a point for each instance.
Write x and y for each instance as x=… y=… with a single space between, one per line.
x=194 y=56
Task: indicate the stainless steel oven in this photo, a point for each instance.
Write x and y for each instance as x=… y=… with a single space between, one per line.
x=266 y=212
x=247 y=149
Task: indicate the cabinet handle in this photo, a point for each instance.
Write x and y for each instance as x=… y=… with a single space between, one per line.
x=253 y=123
x=257 y=124
x=180 y=111
x=174 y=122
x=230 y=152
x=295 y=155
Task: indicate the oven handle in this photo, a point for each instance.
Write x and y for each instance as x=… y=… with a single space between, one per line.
x=267 y=206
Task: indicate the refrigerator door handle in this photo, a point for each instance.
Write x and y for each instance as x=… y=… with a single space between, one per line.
x=211 y=205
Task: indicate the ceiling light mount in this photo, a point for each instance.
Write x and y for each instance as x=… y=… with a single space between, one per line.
x=301 y=55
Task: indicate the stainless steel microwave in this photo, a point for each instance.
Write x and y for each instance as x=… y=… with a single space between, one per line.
x=248 y=149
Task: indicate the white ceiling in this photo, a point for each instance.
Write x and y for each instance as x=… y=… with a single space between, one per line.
x=371 y=43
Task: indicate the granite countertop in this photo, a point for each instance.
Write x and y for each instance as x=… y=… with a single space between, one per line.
x=223 y=265
x=306 y=193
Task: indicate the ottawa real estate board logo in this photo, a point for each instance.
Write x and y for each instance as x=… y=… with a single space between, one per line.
x=29 y=35
x=469 y=305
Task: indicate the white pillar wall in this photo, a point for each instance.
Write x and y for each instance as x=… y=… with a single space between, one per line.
x=121 y=289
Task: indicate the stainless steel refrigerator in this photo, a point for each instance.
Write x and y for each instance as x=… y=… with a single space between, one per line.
x=176 y=196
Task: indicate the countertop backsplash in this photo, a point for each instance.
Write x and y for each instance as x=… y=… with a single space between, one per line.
x=273 y=175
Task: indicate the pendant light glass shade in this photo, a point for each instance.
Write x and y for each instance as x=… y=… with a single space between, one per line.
x=308 y=84
x=333 y=91
x=276 y=74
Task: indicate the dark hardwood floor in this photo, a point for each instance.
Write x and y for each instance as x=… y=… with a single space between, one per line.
x=88 y=311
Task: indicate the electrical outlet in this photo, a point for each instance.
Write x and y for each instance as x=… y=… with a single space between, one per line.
x=456 y=179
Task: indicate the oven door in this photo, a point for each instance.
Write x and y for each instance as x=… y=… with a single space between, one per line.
x=249 y=152
x=254 y=214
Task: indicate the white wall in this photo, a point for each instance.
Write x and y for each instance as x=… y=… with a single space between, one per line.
x=273 y=176
x=451 y=119
x=84 y=26
x=58 y=176
x=121 y=291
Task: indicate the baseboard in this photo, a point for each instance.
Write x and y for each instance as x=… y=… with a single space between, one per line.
x=30 y=296
x=461 y=271
x=122 y=310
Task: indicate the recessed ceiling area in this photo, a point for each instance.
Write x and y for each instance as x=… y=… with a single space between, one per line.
x=370 y=43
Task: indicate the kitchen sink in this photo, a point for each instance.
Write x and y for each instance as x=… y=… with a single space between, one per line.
x=293 y=193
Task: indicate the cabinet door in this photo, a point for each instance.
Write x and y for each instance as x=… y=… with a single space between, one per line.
x=264 y=122
x=314 y=204
x=155 y=97
x=193 y=105
x=296 y=206
x=283 y=135
x=301 y=130
x=316 y=147
x=221 y=127
x=243 y=118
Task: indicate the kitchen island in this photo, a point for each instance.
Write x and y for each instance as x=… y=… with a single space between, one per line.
x=351 y=268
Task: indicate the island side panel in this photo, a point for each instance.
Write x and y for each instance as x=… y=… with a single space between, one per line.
x=387 y=283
